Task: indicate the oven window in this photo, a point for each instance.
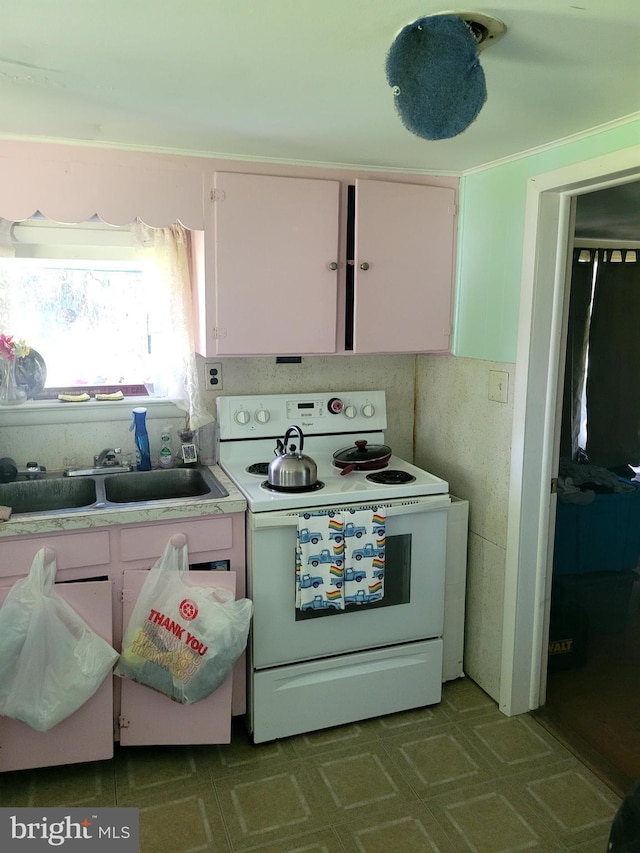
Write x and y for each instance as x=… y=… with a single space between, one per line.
x=397 y=581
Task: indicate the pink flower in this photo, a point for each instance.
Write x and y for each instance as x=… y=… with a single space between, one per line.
x=11 y=349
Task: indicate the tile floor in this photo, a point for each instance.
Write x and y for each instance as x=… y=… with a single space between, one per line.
x=459 y=776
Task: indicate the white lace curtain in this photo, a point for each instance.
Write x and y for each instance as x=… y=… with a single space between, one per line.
x=173 y=344
x=174 y=359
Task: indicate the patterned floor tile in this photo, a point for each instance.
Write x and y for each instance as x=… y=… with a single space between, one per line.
x=183 y=825
x=241 y=754
x=322 y=841
x=451 y=778
x=440 y=760
x=392 y=725
x=267 y=806
x=336 y=737
x=493 y=818
x=70 y=785
x=574 y=801
x=144 y=774
x=514 y=743
x=463 y=699
x=408 y=828
x=360 y=782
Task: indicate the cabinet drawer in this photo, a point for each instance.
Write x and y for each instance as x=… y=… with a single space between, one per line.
x=148 y=542
x=73 y=550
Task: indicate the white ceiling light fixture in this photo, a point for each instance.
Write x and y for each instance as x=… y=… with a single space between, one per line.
x=486 y=29
x=434 y=71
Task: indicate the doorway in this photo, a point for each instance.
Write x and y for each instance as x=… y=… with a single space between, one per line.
x=593 y=675
x=540 y=359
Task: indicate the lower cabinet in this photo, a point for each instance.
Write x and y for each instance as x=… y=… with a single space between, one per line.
x=86 y=735
x=149 y=717
x=100 y=572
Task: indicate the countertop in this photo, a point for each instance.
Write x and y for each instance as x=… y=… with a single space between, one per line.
x=26 y=525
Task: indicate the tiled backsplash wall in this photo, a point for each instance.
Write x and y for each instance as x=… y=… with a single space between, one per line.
x=53 y=444
x=465 y=437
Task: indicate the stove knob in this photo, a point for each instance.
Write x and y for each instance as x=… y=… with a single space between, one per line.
x=350 y=411
x=335 y=405
x=368 y=410
x=262 y=416
x=242 y=417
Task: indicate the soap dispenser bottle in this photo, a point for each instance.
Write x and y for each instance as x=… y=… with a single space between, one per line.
x=165 y=457
x=143 y=452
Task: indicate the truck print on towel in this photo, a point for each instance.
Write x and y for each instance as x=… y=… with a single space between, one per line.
x=340 y=559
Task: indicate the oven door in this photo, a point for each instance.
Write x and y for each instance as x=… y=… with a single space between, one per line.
x=412 y=607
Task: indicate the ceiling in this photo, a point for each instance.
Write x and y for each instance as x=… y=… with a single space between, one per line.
x=299 y=81
x=609 y=214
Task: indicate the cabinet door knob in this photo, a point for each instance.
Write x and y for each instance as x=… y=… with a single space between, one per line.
x=364 y=266
x=333 y=265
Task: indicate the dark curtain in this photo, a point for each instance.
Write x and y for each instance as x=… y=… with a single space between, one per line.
x=577 y=339
x=613 y=377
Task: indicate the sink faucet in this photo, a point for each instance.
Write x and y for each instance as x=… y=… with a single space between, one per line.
x=107 y=457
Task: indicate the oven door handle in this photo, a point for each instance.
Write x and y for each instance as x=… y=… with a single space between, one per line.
x=289 y=519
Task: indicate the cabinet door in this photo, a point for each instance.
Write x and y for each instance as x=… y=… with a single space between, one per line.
x=86 y=735
x=275 y=241
x=405 y=233
x=149 y=717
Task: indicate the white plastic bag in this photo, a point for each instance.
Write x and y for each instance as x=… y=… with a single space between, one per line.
x=183 y=640
x=51 y=662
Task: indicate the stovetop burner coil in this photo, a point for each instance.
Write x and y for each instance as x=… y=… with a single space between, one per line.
x=293 y=489
x=261 y=468
x=391 y=477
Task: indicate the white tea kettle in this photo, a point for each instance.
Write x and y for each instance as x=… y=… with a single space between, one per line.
x=290 y=468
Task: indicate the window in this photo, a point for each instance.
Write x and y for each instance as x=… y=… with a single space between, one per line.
x=105 y=307
x=87 y=301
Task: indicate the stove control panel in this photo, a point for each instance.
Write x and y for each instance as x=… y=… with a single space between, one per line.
x=316 y=413
x=297 y=409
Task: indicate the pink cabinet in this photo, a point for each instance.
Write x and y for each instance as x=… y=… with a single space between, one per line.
x=271 y=259
x=87 y=734
x=97 y=572
x=273 y=275
x=212 y=540
x=403 y=267
x=148 y=717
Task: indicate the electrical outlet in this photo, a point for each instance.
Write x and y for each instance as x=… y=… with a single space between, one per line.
x=212 y=376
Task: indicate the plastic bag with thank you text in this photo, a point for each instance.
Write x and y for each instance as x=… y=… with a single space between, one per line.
x=183 y=640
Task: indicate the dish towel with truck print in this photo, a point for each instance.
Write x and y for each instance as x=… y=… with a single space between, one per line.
x=340 y=558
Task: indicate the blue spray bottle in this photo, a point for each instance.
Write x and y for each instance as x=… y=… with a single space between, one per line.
x=143 y=452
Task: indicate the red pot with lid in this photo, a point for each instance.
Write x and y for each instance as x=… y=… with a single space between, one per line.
x=362 y=456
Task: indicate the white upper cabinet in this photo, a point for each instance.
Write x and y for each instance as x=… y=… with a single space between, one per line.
x=403 y=267
x=275 y=258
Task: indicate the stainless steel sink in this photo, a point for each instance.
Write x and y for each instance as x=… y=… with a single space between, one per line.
x=160 y=485
x=58 y=495
x=28 y=496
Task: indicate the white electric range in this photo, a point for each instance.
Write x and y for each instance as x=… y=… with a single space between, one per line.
x=313 y=662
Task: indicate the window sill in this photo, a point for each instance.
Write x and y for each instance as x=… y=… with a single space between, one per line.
x=41 y=412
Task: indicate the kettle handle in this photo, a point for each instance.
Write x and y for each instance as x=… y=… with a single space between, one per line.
x=287 y=434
